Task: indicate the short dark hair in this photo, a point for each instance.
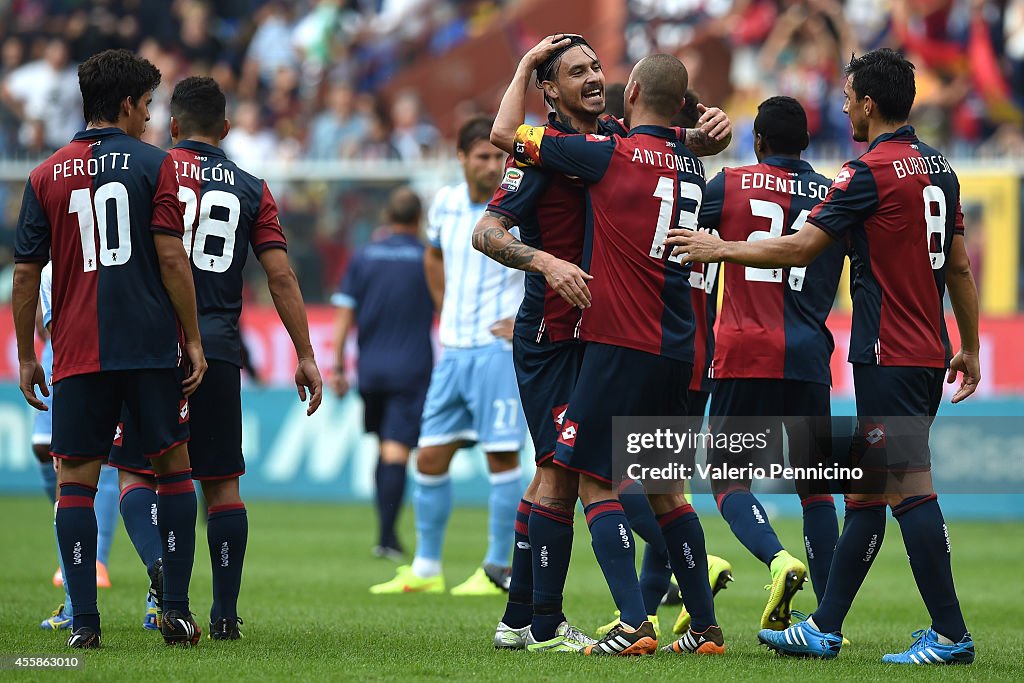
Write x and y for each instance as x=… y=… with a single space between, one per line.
x=108 y=77
x=548 y=70
x=613 y=94
x=888 y=78
x=782 y=122
x=663 y=81
x=404 y=207
x=198 y=105
x=475 y=128
x=688 y=116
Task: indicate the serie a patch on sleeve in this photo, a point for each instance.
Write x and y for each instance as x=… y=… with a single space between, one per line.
x=512 y=180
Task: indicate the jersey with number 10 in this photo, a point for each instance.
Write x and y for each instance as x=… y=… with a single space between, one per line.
x=226 y=210
x=639 y=186
x=899 y=203
x=772 y=323
x=95 y=204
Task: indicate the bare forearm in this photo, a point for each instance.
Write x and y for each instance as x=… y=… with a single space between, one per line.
x=284 y=290
x=24 y=302
x=963 y=295
x=492 y=238
x=512 y=111
x=703 y=145
x=176 y=274
x=776 y=252
x=341 y=330
x=433 y=270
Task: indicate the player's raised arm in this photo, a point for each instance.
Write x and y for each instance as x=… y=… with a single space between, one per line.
x=284 y=289
x=491 y=237
x=712 y=134
x=963 y=295
x=512 y=111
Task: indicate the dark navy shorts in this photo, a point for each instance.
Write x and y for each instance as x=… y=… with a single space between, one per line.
x=395 y=415
x=772 y=406
x=895 y=409
x=616 y=382
x=215 y=449
x=87 y=410
x=547 y=375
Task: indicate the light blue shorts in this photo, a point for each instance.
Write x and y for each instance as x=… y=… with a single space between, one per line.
x=42 y=422
x=474 y=398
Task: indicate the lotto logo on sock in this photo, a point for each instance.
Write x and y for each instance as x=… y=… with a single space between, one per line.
x=874 y=434
x=558 y=415
x=183 y=411
x=521 y=545
x=568 y=435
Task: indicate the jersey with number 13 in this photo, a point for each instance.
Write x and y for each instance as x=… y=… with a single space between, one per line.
x=899 y=203
x=639 y=186
x=226 y=210
x=93 y=207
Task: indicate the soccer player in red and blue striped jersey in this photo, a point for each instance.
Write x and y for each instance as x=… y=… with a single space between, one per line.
x=899 y=204
x=106 y=207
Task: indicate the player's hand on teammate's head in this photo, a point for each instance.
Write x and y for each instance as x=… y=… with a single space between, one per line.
x=694 y=245
x=32 y=376
x=969 y=365
x=539 y=53
x=714 y=122
x=196 y=367
x=339 y=383
x=569 y=281
x=307 y=377
x=503 y=329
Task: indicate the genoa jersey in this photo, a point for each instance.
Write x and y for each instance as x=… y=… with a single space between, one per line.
x=639 y=186
x=704 y=298
x=899 y=205
x=772 y=323
x=95 y=204
x=550 y=210
x=226 y=211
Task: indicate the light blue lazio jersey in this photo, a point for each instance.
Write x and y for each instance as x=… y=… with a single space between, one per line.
x=477 y=291
x=45 y=286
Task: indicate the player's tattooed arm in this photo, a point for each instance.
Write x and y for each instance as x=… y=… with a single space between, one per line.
x=492 y=237
x=712 y=134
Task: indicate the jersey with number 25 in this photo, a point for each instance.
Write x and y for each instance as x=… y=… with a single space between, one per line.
x=226 y=210
x=638 y=187
x=95 y=204
x=899 y=203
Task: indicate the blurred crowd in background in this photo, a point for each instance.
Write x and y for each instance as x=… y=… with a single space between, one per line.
x=304 y=80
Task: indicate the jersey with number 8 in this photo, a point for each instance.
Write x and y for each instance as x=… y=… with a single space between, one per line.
x=93 y=207
x=226 y=211
x=899 y=205
x=638 y=188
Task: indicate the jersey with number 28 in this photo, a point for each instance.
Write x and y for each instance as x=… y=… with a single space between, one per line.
x=226 y=210
x=639 y=186
x=899 y=203
x=95 y=204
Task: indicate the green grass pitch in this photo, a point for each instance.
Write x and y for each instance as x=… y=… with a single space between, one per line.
x=308 y=615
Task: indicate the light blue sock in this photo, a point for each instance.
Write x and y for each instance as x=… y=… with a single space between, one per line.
x=107 y=508
x=49 y=480
x=60 y=560
x=506 y=491
x=432 y=502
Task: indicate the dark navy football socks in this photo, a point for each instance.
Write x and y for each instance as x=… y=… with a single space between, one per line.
x=227 y=530
x=927 y=541
x=655 y=570
x=139 y=512
x=390 y=492
x=76 y=532
x=519 y=609
x=550 y=537
x=684 y=538
x=176 y=519
x=615 y=549
x=49 y=480
x=821 y=533
x=749 y=523
x=858 y=546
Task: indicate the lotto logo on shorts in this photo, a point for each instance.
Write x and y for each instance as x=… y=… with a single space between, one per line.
x=568 y=434
x=558 y=415
x=874 y=434
x=119 y=434
x=183 y=411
